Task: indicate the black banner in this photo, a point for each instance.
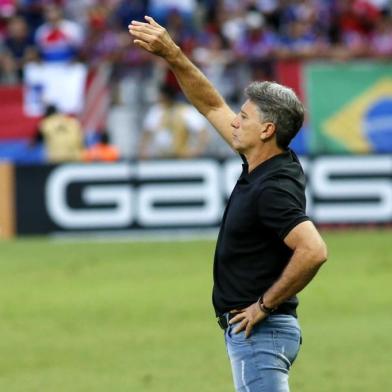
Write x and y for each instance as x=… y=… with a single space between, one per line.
x=179 y=194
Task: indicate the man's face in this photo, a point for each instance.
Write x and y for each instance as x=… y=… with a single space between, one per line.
x=52 y=14
x=247 y=127
x=17 y=28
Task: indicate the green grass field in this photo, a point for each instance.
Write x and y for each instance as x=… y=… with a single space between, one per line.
x=137 y=317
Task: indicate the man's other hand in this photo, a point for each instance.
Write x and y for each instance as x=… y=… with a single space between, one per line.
x=248 y=317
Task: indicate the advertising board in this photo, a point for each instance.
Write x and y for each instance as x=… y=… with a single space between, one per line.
x=186 y=194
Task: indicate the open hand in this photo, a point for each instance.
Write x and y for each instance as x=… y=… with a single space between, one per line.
x=249 y=317
x=154 y=38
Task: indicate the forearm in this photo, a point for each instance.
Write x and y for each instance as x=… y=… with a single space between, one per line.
x=197 y=88
x=300 y=270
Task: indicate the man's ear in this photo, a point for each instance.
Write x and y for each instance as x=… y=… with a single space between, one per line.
x=268 y=130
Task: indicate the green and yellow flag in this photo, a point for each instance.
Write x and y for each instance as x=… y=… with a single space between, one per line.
x=350 y=107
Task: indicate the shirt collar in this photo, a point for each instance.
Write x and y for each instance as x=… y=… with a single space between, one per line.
x=271 y=163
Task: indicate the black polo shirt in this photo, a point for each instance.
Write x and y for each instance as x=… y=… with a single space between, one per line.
x=250 y=253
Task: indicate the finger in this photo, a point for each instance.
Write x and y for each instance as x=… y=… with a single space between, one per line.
x=248 y=329
x=152 y=21
x=136 y=23
x=237 y=318
x=144 y=29
x=143 y=36
x=235 y=311
x=242 y=326
x=141 y=44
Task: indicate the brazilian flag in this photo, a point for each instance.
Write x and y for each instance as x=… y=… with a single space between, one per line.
x=350 y=107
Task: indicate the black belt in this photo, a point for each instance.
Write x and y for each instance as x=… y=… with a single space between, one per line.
x=223 y=320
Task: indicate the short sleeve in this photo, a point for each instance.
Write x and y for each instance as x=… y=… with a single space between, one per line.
x=281 y=209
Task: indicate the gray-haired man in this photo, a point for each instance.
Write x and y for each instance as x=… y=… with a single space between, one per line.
x=267 y=248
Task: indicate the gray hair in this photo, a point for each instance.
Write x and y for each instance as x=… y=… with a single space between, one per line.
x=279 y=105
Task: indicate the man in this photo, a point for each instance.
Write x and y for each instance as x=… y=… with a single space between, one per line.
x=102 y=150
x=58 y=40
x=62 y=135
x=267 y=249
x=172 y=129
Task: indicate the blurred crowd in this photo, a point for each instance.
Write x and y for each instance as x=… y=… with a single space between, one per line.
x=211 y=32
x=232 y=41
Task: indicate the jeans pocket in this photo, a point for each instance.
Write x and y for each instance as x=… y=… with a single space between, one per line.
x=230 y=331
x=286 y=343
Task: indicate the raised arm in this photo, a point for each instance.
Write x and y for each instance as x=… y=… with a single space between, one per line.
x=197 y=88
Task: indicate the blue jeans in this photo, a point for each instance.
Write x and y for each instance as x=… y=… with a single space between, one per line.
x=262 y=362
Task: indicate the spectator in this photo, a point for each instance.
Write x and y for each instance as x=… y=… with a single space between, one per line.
x=357 y=19
x=213 y=58
x=172 y=129
x=179 y=28
x=233 y=24
x=102 y=151
x=126 y=11
x=78 y=10
x=17 y=48
x=257 y=46
x=62 y=136
x=258 y=41
x=161 y=8
x=7 y=8
x=32 y=12
x=301 y=41
x=102 y=40
x=8 y=74
x=58 y=40
x=381 y=38
x=270 y=9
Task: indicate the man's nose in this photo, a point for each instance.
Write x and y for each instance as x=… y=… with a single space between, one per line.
x=235 y=123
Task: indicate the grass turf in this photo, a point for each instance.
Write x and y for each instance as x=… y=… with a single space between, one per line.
x=137 y=317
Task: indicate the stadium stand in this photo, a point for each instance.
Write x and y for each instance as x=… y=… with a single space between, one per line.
x=233 y=42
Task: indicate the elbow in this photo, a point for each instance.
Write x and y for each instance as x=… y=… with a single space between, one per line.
x=316 y=254
x=321 y=254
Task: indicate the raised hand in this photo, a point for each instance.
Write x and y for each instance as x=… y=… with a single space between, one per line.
x=154 y=38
